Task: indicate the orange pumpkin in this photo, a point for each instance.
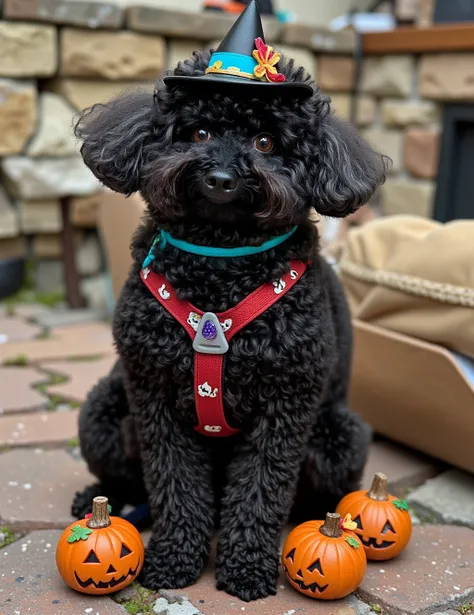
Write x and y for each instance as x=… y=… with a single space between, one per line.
x=383 y=521
x=99 y=555
x=323 y=561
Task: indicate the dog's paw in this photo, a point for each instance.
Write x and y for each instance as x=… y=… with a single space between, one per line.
x=247 y=584
x=169 y=570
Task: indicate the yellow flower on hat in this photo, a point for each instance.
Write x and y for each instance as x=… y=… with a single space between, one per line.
x=267 y=58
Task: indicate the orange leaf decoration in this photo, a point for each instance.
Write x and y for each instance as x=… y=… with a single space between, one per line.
x=267 y=58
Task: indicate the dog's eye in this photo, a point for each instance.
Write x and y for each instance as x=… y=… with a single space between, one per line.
x=201 y=136
x=264 y=143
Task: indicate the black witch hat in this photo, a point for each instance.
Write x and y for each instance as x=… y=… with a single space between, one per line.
x=244 y=59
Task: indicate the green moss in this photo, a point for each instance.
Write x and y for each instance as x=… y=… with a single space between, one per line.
x=73 y=442
x=7 y=536
x=19 y=361
x=376 y=608
x=466 y=609
x=44 y=335
x=141 y=602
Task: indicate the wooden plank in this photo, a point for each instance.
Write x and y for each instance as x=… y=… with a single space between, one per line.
x=452 y=37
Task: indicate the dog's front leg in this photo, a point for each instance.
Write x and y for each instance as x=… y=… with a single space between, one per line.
x=178 y=475
x=262 y=480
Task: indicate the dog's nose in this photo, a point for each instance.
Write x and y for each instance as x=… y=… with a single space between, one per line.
x=220 y=185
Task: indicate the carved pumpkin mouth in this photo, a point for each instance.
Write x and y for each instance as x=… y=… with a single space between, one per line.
x=312 y=587
x=372 y=542
x=104 y=584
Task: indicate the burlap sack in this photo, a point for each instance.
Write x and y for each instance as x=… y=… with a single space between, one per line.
x=414 y=276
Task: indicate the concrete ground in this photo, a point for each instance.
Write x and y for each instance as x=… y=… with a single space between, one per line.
x=48 y=362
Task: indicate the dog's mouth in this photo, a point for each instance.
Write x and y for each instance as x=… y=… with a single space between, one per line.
x=107 y=584
x=374 y=542
x=312 y=587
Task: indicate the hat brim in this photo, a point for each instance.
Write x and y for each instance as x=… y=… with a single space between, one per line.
x=287 y=88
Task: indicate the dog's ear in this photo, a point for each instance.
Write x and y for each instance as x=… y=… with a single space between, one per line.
x=348 y=170
x=114 y=136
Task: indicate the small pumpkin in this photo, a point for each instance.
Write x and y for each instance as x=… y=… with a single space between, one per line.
x=101 y=554
x=383 y=521
x=322 y=560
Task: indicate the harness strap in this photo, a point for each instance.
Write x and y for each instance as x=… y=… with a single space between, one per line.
x=209 y=368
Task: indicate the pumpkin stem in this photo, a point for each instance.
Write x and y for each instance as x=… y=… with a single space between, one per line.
x=378 y=490
x=332 y=526
x=100 y=513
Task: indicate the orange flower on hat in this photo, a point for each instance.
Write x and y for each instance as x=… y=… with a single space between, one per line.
x=267 y=58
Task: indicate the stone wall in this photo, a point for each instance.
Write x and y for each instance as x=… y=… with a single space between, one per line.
x=58 y=57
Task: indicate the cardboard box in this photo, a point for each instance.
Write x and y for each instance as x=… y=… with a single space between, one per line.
x=415 y=393
x=119 y=217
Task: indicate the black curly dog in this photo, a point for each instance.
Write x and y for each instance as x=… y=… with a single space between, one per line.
x=286 y=374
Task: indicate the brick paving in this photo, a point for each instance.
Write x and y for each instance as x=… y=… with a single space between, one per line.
x=16 y=390
x=38 y=477
x=37 y=487
x=13 y=329
x=81 y=375
x=448 y=498
x=38 y=428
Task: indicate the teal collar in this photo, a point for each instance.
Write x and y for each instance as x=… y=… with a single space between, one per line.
x=164 y=237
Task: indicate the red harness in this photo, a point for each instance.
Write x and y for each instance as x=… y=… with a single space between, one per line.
x=209 y=361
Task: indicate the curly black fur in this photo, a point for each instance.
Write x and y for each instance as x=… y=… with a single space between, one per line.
x=286 y=374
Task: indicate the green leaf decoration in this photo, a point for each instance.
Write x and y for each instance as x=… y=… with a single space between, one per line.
x=109 y=509
x=79 y=533
x=352 y=541
x=400 y=504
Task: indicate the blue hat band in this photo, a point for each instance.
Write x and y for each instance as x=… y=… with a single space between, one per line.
x=235 y=64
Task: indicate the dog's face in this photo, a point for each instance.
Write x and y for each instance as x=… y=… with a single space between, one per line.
x=225 y=156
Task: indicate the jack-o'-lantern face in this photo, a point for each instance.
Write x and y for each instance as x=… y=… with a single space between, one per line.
x=103 y=560
x=323 y=567
x=383 y=521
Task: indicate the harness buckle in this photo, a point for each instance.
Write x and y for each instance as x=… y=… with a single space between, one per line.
x=210 y=338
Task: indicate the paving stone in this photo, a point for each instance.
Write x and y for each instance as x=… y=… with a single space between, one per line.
x=366 y=108
x=434 y=573
x=404 y=468
x=17 y=115
x=83 y=375
x=209 y=601
x=44 y=178
x=91 y=339
x=205 y=26
x=341 y=105
x=98 y=292
x=29 y=311
x=27 y=50
x=336 y=73
x=448 y=498
x=111 y=55
x=405 y=196
x=319 y=39
x=421 y=152
x=31 y=584
x=43 y=216
x=37 y=488
x=388 y=142
x=387 y=75
x=447 y=76
x=82 y=93
x=66 y=317
x=38 y=428
x=54 y=136
x=65 y=12
x=14 y=329
x=16 y=389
